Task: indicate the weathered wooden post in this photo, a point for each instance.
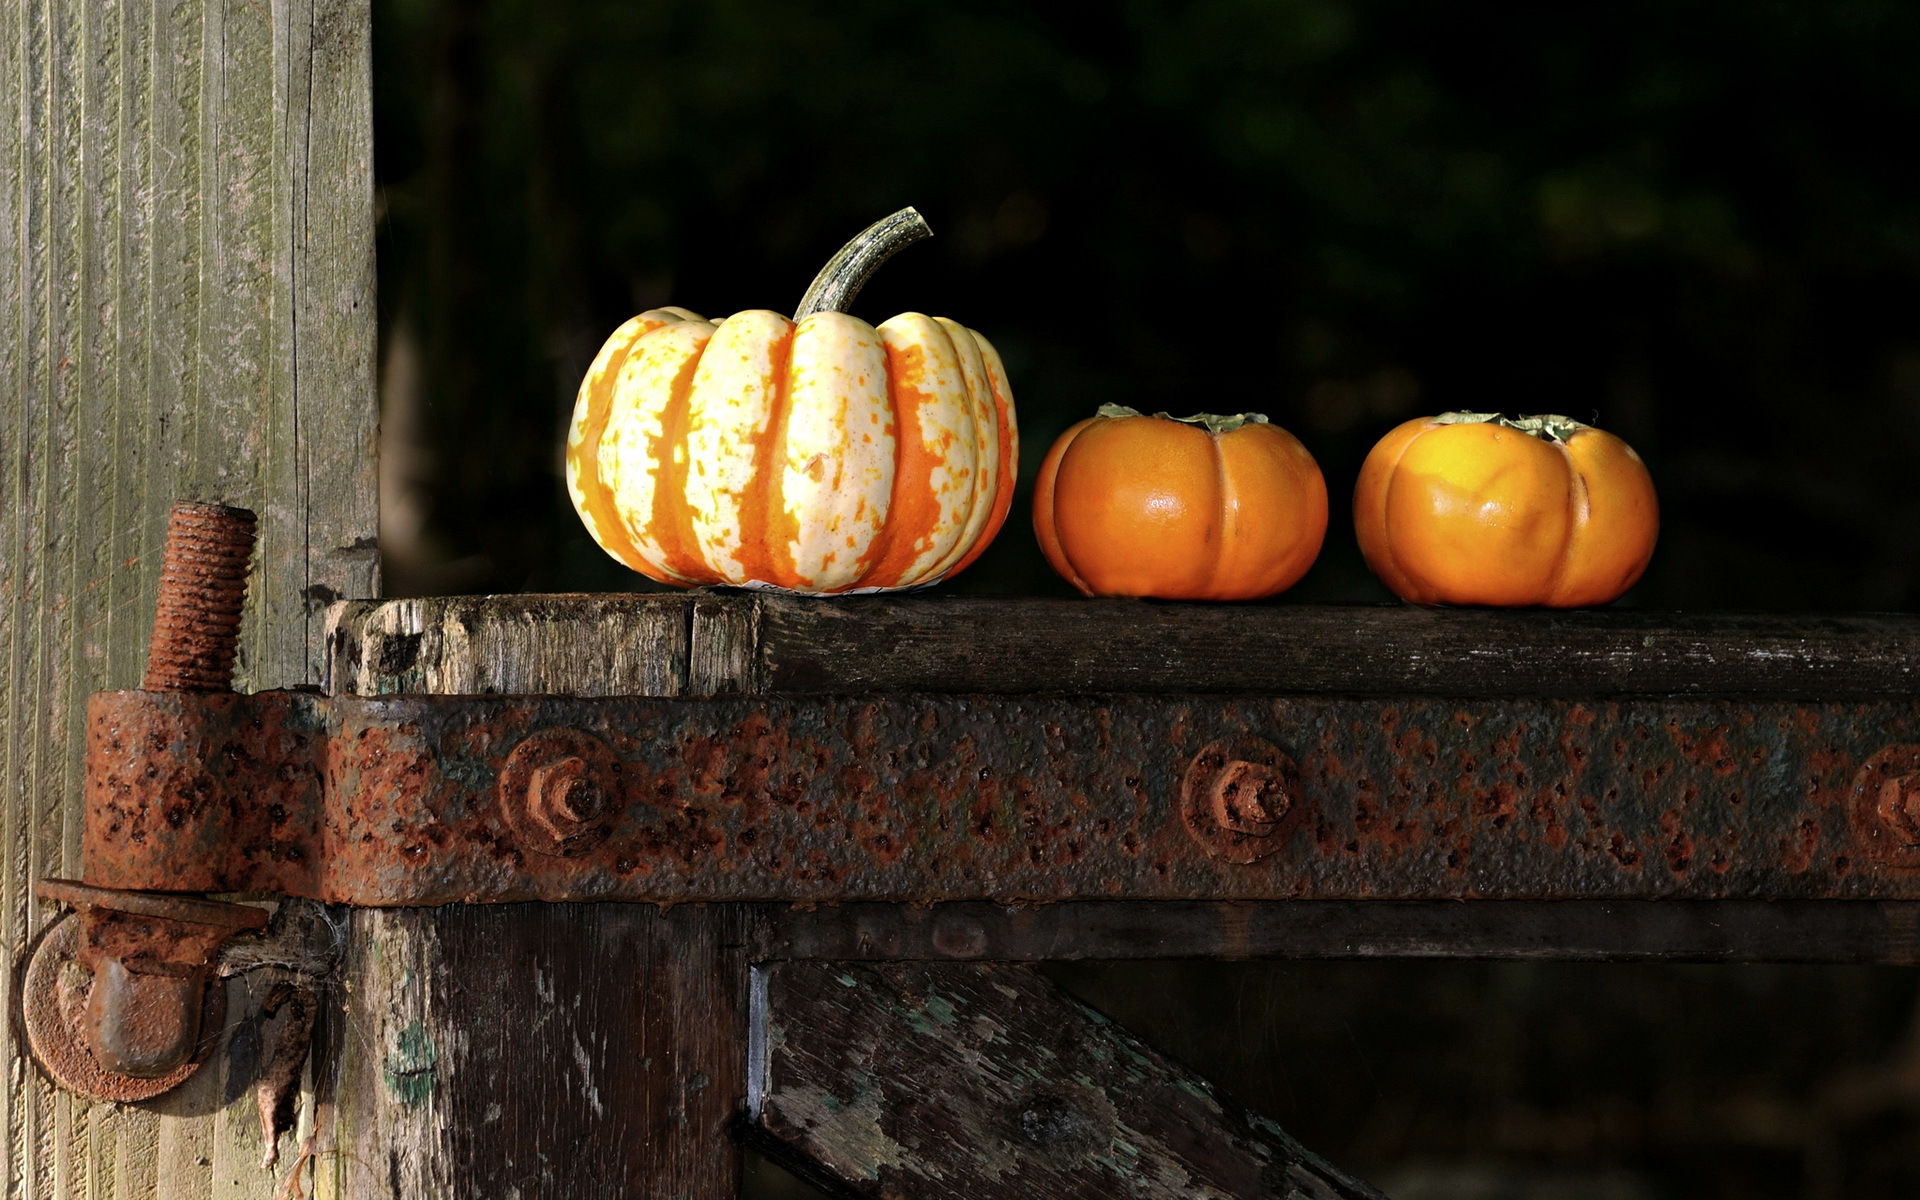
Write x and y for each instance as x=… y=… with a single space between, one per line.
x=186 y=311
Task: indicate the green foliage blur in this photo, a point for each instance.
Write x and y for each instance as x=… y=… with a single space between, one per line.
x=1696 y=224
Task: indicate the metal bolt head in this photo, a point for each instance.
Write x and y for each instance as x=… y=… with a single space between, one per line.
x=563 y=799
x=1236 y=798
x=559 y=792
x=1249 y=798
x=1898 y=805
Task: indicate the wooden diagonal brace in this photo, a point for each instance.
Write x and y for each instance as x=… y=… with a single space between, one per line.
x=952 y=1082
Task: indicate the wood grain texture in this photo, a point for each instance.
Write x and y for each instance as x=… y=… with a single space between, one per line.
x=538 y=1050
x=956 y=645
x=475 y=645
x=185 y=313
x=937 y=1081
x=1824 y=931
x=930 y=644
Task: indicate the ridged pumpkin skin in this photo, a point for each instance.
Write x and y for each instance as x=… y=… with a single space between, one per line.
x=1471 y=509
x=1131 y=505
x=821 y=458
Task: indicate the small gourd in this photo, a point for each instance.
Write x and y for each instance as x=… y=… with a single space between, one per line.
x=819 y=455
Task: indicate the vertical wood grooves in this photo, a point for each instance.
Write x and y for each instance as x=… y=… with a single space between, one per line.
x=156 y=224
x=14 y=307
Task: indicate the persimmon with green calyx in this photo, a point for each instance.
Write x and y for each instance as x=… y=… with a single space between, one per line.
x=1179 y=508
x=1477 y=508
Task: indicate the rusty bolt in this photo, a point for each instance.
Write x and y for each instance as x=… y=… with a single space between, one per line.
x=563 y=799
x=1249 y=798
x=559 y=791
x=1899 y=806
x=203 y=584
x=1234 y=797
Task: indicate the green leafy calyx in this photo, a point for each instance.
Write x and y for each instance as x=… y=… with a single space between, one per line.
x=1548 y=427
x=1211 y=422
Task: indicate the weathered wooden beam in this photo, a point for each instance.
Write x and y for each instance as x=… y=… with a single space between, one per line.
x=186 y=312
x=933 y=644
x=542 y=1050
x=937 y=1081
x=1827 y=931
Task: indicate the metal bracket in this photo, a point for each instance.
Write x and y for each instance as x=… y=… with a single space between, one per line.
x=420 y=800
x=118 y=1000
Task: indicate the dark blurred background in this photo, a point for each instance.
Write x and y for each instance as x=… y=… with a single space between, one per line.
x=1695 y=224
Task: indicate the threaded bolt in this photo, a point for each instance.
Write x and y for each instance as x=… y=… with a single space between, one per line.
x=203 y=585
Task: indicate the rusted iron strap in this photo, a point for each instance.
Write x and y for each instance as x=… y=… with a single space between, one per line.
x=408 y=800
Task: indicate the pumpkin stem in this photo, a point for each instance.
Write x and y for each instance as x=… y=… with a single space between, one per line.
x=848 y=271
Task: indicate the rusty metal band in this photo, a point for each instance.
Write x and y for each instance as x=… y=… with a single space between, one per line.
x=416 y=800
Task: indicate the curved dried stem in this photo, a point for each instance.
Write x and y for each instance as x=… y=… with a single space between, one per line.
x=848 y=271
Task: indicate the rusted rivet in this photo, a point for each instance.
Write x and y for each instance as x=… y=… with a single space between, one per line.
x=1899 y=806
x=1236 y=796
x=957 y=936
x=563 y=799
x=555 y=791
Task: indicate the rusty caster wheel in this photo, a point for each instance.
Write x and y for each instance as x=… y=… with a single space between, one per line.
x=54 y=997
x=119 y=998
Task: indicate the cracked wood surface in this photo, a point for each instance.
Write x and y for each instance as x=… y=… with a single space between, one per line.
x=186 y=312
x=967 y=1082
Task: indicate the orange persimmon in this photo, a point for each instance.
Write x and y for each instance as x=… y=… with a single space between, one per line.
x=1193 y=508
x=1474 y=508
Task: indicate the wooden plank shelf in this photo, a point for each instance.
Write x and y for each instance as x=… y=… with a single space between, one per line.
x=933 y=644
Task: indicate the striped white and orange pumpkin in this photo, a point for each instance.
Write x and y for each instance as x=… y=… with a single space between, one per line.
x=822 y=457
